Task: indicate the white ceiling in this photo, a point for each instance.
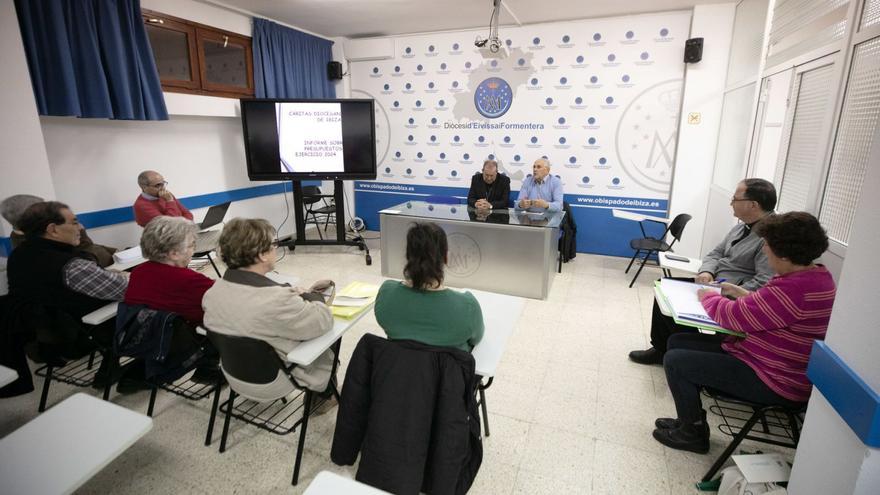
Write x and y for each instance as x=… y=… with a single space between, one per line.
x=370 y=18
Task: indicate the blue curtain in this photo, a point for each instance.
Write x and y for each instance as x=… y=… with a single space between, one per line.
x=90 y=58
x=289 y=63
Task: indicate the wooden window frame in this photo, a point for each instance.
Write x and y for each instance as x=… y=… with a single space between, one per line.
x=196 y=35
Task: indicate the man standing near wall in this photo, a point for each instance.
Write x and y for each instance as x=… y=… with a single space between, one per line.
x=739 y=259
x=541 y=191
x=156 y=200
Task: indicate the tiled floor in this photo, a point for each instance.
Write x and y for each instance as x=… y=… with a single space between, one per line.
x=569 y=413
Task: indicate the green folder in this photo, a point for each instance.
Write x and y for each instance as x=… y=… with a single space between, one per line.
x=666 y=308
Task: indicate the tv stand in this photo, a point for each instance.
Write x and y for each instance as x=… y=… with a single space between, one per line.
x=341 y=240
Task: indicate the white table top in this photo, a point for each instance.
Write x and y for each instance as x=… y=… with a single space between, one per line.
x=500 y=314
x=309 y=350
x=327 y=483
x=636 y=217
x=691 y=266
x=62 y=448
x=101 y=314
x=7 y=375
x=128 y=265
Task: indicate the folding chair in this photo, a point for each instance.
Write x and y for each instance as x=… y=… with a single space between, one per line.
x=652 y=245
x=312 y=196
x=780 y=425
x=263 y=381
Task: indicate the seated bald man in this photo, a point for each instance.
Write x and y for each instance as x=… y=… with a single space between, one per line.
x=156 y=200
x=540 y=191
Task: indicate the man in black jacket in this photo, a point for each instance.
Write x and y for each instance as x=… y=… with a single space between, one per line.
x=489 y=189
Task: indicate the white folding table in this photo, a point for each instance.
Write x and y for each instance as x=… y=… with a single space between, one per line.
x=327 y=483
x=59 y=450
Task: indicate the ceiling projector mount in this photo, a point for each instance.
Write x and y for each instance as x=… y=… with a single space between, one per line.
x=493 y=41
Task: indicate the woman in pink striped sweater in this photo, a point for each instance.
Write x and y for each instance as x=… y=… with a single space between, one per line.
x=781 y=321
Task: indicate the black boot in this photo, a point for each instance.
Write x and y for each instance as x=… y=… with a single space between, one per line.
x=669 y=423
x=648 y=356
x=690 y=437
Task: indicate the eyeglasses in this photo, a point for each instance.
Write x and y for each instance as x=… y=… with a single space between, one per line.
x=735 y=199
x=159 y=184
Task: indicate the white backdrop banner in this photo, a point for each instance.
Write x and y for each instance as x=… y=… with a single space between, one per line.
x=599 y=98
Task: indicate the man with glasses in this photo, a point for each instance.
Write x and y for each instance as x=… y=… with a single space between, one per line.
x=739 y=259
x=48 y=270
x=156 y=200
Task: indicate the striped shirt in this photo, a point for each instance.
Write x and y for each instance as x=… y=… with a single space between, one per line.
x=782 y=320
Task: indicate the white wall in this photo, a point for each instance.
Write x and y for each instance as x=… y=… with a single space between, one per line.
x=92 y=164
x=703 y=94
x=830 y=458
x=24 y=167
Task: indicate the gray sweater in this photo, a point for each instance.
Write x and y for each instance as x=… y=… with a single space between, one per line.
x=743 y=264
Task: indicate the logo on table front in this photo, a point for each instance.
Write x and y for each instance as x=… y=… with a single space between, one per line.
x=493 y=97
x=464 y=255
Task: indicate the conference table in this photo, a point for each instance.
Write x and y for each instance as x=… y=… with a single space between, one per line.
x=507 y=251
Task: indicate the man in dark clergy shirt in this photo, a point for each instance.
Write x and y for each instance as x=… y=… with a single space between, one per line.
x=489 y=189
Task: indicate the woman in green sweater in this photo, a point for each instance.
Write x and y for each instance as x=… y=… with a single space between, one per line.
x=421 y=308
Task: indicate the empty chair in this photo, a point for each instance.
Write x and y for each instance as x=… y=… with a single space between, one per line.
x=311 y=197
x=652 y=245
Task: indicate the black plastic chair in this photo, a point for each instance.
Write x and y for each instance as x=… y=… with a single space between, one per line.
x=652 y=245
x=256 y=373
x=311 y=197
x=780 y=425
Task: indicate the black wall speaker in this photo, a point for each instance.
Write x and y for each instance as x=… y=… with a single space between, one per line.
x=334 y=70
x=693 y=50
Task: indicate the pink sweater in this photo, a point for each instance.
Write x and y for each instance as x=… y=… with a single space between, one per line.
x=781 y=319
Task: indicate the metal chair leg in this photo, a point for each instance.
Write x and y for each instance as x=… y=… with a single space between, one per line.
x=210 y=434
x=641 y=265
x=91 y=360
x=485 y=412
x=45 y=393
x=632 y=260
x=112 y=363
x=229 y=404
x=153 y=392
x=307 y=411
x=733 y=444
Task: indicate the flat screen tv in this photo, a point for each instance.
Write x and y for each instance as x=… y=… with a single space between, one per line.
x=309 y=139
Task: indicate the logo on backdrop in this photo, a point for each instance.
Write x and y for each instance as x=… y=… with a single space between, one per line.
x=464 y=255
x=646 y=133
x=493 y=97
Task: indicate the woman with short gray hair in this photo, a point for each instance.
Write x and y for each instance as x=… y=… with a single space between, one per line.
x=247 y=303
x=164 y=282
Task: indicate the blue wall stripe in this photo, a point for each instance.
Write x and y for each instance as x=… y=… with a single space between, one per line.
x=853 y=399
x=113 y=216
